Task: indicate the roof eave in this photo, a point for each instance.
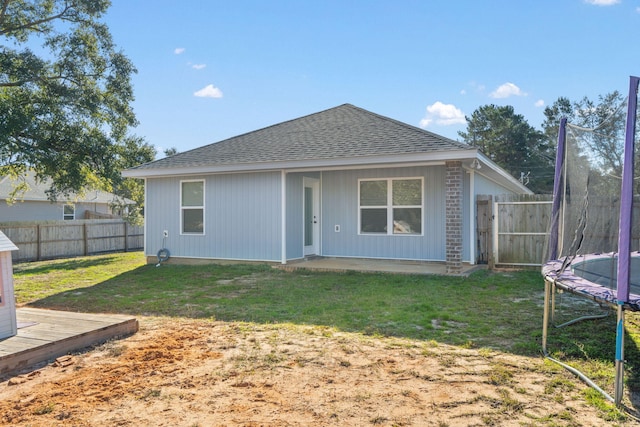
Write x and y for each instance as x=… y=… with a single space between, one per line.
x=319 y=164
x=499 y=175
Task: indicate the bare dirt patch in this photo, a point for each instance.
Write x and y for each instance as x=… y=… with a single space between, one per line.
x=200 y=373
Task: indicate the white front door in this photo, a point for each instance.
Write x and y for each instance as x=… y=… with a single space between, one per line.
x=311 y=216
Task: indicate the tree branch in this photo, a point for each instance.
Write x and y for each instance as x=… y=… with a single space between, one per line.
x=34 y=25
x=3 y=10
x=16 y=84
x=49 y=78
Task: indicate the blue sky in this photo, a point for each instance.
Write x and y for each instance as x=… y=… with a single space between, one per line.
x=210 y=70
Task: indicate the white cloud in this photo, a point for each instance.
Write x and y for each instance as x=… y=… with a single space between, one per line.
x=179 y=50
x=209 y=91
x=638 y=9
x=602 y=2
x=198 y=66
x=463 y=92
x=442 y=114
x=539 y=103
x=506 y=90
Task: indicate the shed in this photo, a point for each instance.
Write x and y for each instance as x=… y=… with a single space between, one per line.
x=8 y=323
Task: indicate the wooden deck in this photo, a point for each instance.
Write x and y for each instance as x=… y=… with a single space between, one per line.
x=46 y=334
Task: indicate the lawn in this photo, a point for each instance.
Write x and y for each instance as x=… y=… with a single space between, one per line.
x=501 y=311
x=494 y=310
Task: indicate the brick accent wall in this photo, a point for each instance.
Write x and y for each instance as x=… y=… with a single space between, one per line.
x=453 y=205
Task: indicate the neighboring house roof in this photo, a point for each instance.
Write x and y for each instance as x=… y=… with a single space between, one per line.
x=6 y=244
x=38 y=192
x=338 y=137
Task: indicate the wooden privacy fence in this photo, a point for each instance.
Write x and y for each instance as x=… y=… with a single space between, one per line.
x=64 y=239
x=512 y=230
x=520 y=232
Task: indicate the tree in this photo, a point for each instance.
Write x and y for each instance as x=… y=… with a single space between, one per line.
x=170 y=151
x=562 y=107
x=507 y=139
x=607 y=115
x=64 y=111
x=132 y=152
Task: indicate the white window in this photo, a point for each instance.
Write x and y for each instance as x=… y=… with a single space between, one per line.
x=192 y=207
x=390 y=206
x=68 y=212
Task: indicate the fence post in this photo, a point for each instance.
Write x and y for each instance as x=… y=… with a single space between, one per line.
x=38 y=242
x=126 y=236
x=85 y=237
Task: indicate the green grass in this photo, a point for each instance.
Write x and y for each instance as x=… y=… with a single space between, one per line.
x=476 y=311
x=492 y=310
x=39 y=280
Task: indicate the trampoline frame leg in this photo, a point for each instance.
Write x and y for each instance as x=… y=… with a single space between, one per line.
x=619 y=380
x=549 y=301
x=545 y=321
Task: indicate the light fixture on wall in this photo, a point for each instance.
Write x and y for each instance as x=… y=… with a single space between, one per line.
x=475 y=164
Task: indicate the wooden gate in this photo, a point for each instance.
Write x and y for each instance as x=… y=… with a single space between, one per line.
x=484 y=221
x=520 y=229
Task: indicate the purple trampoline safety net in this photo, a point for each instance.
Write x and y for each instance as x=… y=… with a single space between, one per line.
x=594 y=276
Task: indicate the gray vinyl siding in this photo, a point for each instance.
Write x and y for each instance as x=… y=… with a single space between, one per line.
x=44 y=210
x=241 y=218
x=30 y=211
x=486 y=186
x=340 y=207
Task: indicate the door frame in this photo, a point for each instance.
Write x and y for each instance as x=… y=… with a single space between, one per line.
x=314 y=184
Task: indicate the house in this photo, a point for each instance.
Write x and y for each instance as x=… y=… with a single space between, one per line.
x=8 y=323
x=33 y=205
x=343 y=182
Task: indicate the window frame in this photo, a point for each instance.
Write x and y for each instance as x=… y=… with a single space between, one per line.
x=389 y=206
x=184 y=208
x=72 y=215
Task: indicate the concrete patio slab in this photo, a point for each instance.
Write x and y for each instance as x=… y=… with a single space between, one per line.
x=375 y=266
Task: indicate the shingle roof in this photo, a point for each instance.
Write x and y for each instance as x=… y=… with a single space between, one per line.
x=339 y=132
x=38 y=191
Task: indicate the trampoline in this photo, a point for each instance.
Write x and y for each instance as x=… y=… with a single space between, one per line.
x=594 y=276
x=594 y=236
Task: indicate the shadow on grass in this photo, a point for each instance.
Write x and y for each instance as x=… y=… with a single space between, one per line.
x=501 y=311
x=57 y=265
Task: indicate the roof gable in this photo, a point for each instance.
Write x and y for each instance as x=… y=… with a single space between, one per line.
x=336 y=133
